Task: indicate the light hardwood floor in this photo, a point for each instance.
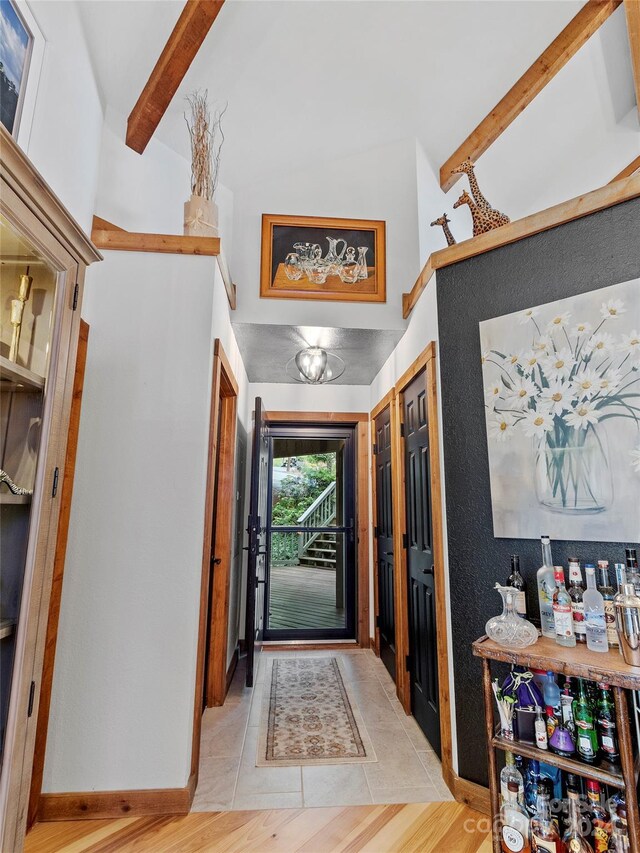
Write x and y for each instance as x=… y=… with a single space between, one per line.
x=415 y=828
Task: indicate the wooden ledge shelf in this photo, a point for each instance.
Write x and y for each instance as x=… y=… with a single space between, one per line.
x=621 y=190
x=106 y=235
x=546 y=654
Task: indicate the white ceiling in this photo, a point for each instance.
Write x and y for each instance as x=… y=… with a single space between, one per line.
x=323 y=80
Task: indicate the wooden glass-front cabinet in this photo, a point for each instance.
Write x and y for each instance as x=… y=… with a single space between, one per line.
x=43 y=256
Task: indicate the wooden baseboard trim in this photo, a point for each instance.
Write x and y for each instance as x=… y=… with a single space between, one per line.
x=469 y=793
x=232 y=667
x=96 y=805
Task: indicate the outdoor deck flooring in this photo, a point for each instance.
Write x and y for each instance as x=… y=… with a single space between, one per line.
x=303 y=597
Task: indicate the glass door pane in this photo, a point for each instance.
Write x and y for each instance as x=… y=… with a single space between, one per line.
x=28 y=286
x=311 y=536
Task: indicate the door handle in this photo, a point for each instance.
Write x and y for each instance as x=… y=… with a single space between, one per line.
x=216 y=560
x=427 y=571
x=260 y=581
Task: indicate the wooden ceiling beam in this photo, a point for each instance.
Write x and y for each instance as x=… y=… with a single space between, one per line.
x=592 y=15
x=179 y=52
x=632 y=11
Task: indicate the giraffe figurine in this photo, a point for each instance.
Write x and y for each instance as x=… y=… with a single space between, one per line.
x=494 y=216
x=443 y=221
x=481 y=222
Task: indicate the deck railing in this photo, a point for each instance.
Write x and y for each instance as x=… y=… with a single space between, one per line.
x=287 y=549
x=319 y=514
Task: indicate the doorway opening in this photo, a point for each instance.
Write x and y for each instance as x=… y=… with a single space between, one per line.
x=311 y=538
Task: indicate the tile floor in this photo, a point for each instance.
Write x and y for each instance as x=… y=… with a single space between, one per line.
x=407 y=770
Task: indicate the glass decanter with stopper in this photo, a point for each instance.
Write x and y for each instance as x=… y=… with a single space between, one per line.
x=544 y=830
x=510 y=629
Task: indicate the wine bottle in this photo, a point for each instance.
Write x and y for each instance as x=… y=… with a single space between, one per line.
x=586 y=735
x=516 y=581
x=606 y=726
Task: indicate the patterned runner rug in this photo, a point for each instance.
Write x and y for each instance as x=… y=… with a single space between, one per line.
x=308 y=716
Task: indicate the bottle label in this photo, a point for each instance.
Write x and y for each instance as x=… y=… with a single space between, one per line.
x=577 y=608
x=585 y=747
x=600 y=837
x=608 y=744
x=575 y=574
x=541 y=734
x=575 y=845
x=521 y=603
x=563 y=619
x=543 y=844
x=610 y=619
x=596 y=628
x=512 y=839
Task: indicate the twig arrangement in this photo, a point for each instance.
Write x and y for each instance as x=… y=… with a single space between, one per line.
x=207 y=139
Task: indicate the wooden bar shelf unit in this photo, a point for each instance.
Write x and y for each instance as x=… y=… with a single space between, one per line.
x=577 y=661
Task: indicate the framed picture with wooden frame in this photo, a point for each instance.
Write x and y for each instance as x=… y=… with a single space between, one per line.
x=313 y=257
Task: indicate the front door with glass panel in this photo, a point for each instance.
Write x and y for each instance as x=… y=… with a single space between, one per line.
x=311 y=577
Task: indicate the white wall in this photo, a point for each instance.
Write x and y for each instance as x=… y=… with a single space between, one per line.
x=284 y=397
x=64 y=143
x=376 y=184
x=123 y=691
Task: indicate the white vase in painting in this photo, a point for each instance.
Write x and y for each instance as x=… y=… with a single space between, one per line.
x=573 y=473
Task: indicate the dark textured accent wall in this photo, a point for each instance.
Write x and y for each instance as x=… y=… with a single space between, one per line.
x=590 y=253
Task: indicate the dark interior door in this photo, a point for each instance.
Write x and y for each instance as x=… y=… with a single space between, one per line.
x=384 y=540
x=257 y=530
x=423 y=652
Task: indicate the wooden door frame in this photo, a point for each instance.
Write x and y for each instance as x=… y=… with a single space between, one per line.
x=66 y=496
x=426 y=362
x=220 y=479
x=359 y=420
x=386 y=402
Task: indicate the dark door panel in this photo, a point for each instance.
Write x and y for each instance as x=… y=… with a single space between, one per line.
x=257 y=529
x=384 y=540
x=423 y=650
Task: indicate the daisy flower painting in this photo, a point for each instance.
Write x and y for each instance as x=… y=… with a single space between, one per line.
x=562 y=402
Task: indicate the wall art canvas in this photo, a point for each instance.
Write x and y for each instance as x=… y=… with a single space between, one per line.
x=312 y=257
x=15 y=49
x=562 y=398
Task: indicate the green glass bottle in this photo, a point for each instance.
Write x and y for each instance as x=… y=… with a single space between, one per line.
x=606 y=726
x=584 y=719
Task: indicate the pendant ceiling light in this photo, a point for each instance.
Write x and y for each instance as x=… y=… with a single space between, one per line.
x=315 y=366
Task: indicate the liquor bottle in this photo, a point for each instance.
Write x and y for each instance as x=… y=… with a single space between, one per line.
x=600 y=823
x=619 y=829
x=516 y=581
x=608 y=593
x=510 y=773
x=574 y=838
x=561 y=742
x=551 y=691
x=514 y=823
x=606 y=726
x=587 y=737
x=540 y=728
x=566 y=704
x=532 y=777
x=562 y=615
x=544 y=831
x=546 y=585
x=576 y=592
x=633 y=575
x=594 y=618
x=621 y=574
